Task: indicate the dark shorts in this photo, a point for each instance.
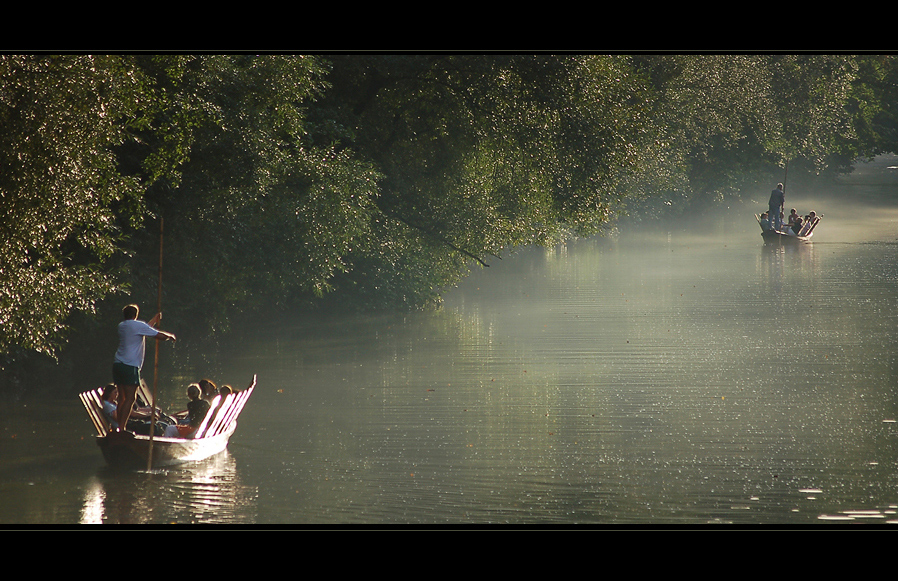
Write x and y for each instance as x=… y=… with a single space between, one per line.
x=125 y=374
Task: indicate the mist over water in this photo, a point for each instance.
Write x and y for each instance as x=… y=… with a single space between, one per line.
x=677 y=373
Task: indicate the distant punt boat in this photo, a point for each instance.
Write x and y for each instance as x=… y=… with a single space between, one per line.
x=786 y=236
x=128 y=450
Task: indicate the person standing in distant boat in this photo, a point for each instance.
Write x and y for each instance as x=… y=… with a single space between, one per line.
x=129 y=358
x=776 y=204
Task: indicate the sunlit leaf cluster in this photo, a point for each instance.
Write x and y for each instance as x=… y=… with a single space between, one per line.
x=63 y=200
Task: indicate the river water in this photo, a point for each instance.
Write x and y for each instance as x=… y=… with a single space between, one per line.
x=671 y=375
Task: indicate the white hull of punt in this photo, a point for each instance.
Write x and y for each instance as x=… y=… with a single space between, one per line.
x=127 y=450
x=785 y=236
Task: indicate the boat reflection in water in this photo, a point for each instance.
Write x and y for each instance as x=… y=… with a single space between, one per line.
x=207 y=492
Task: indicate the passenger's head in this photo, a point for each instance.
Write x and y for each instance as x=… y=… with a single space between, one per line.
x=225 y=390
x=208 y=387
x=109 y=392
x=130 y=312
x=193 y=391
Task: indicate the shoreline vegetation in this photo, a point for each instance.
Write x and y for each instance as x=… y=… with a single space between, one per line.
x=292 y=183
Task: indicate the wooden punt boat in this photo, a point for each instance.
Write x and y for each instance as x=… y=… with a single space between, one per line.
x=129 y=450
x=786 y=236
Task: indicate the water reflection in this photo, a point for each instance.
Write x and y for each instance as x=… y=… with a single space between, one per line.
x=209 y=492
x=663 y=378
x=672 y=375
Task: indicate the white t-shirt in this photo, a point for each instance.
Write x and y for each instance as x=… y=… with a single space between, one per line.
x=131 y=343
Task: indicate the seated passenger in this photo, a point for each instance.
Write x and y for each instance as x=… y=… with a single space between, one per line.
x=109 y=407
x=765 y=221
x=793 y=216
x=209 y=390
x=139 y=421
x=223 y=391
x=196 y=407
x=796 y=226
x=196 y=411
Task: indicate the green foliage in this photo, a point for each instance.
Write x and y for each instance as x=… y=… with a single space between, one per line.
x=729 y=119
x=480 y=154
x=873 y=107
x=62 y=198
x=811 y=96
x=376 y=180
x=260 y=213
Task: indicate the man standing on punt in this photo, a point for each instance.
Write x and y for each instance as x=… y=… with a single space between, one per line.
x=776 y=205
x=129 y=358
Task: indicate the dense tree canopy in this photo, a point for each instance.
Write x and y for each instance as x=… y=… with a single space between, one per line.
x=376 y=180
x=62 y=199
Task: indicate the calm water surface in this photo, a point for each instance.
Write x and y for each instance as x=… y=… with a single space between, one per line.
x=667 y=376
